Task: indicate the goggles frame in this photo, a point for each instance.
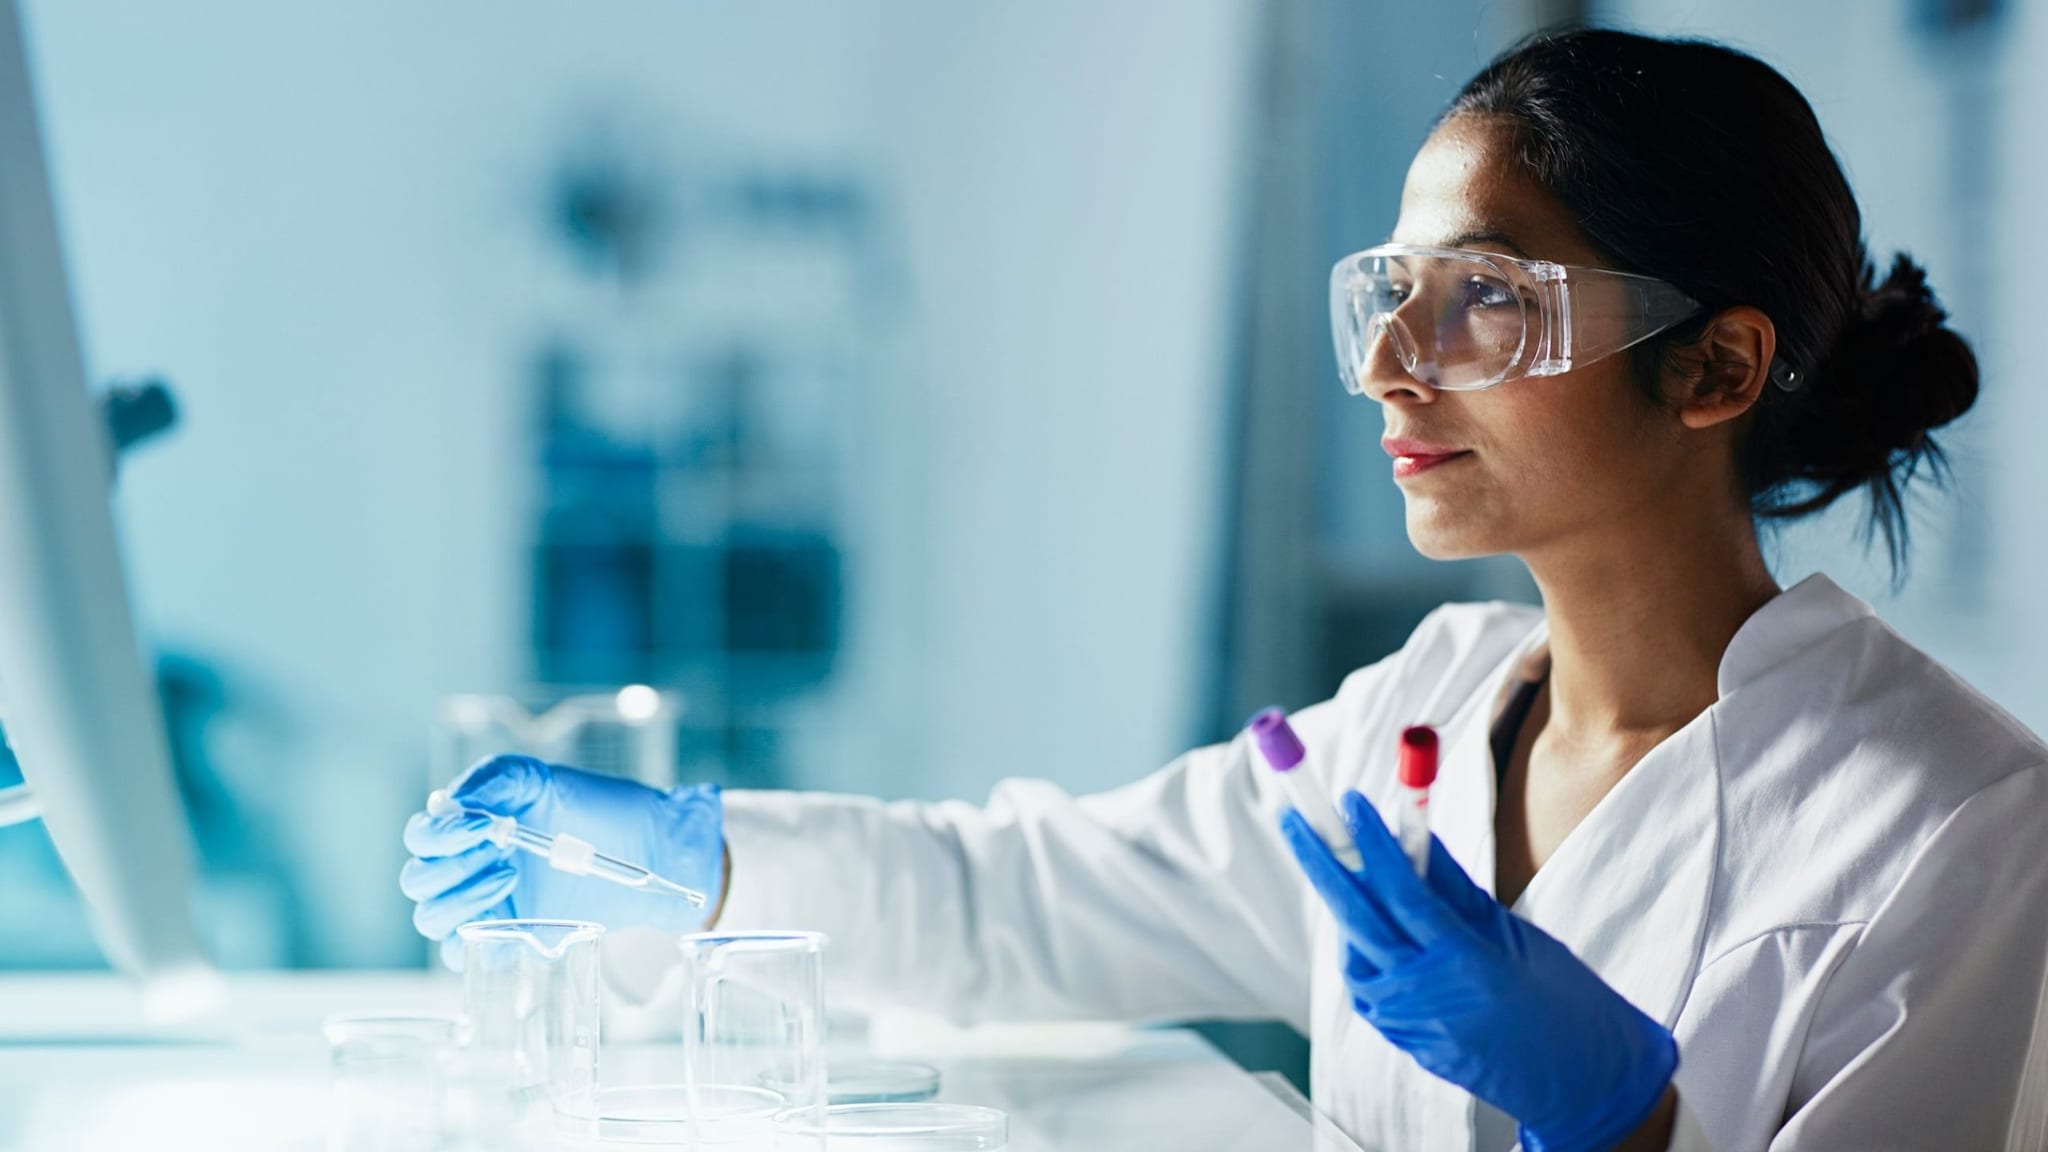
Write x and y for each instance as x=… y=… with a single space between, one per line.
x=1558 y=316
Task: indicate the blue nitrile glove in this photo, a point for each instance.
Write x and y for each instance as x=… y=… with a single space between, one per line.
x=457 y=875
x=1483 y=998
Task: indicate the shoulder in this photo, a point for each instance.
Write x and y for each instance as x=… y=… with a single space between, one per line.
x=1846 y=764
x=1464 y=641
x=1443 y=667
x=1862 y=712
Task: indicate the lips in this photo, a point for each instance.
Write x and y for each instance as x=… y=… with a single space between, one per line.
x=1414 y=457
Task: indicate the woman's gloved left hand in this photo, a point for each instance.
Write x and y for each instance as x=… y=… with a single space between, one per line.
x=1483 y=998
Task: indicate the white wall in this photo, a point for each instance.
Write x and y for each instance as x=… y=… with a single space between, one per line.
x=1068 y=173
x=322 y=220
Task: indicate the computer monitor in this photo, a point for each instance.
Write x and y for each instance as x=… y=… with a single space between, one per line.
x=78 y=707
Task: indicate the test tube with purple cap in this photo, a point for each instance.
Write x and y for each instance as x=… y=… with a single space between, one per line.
x=1282 y=749
x=1415 y=769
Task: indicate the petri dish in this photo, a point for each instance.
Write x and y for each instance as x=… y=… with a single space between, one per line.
x=925 y=1127
x=389 y=1090
x=874 y=1082
x=677 y=1116
x=358 y=1036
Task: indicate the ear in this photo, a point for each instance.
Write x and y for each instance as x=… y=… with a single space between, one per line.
x=1727 y=367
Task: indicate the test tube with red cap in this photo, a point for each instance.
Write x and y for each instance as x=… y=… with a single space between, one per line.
x=1417 y=770
x=1282 y=749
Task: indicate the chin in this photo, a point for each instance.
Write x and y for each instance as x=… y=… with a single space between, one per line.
x=1440 y=536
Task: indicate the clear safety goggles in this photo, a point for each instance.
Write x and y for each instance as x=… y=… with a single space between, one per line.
x=1461 y=320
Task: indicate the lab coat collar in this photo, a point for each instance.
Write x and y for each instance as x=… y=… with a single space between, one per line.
x=1630 y=890
x=1645 y=857
x=1791 y=622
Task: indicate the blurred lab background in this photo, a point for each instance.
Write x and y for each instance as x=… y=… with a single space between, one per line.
x=907 y=394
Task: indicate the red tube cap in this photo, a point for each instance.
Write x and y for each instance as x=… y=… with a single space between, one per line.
x=1418 y=756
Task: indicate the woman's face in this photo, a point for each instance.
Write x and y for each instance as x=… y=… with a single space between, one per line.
x=1534 y=461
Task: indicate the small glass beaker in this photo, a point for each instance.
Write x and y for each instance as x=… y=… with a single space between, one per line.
x=390 y=1080
x=755 y=1016
x=532 y=990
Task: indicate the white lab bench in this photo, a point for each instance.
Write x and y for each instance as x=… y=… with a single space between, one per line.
x=77 y=1074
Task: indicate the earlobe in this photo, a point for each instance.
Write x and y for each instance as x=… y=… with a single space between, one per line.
x=1734 y=364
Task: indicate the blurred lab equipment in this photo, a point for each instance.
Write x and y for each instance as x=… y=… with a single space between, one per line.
x=391 y=1075
x=135 y=411
x=630 y=732
x=755 y=1017
x=531 y=991
x=690 y=431
x=566 y=853
x=676 y=833
x=81 y=716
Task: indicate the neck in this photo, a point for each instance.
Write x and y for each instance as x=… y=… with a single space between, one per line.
x=1639 y=621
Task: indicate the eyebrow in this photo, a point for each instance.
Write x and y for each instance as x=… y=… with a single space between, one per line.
x=1467 y=239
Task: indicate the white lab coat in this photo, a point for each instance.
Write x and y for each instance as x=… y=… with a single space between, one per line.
x=1832 y=885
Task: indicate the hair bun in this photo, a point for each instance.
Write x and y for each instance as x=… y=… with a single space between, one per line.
x=1896 y=368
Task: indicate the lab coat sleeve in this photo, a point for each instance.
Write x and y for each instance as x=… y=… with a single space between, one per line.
x=1173 y=897
x=1920 y=1035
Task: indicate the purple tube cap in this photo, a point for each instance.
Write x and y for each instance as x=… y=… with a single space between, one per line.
x=1277 y=741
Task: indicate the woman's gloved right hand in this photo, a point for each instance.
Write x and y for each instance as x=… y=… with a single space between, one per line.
x=457 y=874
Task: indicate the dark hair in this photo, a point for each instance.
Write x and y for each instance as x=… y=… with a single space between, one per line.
x=1700 y=165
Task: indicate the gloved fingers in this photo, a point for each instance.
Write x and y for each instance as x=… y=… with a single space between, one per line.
x=699 y=806
x=506 y=785
x=1472 y=904
x=1388 y=875
x=1366 y=925
x=428 y=836
x=425 y=878
x=466 y=901
x=452 y=947
x=694 y=819
x=1357 y=967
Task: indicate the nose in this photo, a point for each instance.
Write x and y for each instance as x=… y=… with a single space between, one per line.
x=1395 y=370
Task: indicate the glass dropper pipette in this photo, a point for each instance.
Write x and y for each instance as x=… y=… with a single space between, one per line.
x=566 y=853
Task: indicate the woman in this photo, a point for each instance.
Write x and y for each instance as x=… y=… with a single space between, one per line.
x=1718 y=864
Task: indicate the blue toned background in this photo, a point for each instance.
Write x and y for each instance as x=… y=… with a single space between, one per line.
x=927 y=392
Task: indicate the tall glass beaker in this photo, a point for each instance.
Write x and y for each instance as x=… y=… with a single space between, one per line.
x=755 y=1016
x=531 y=989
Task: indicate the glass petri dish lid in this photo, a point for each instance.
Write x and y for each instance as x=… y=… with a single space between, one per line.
x=926 y=1127
x=677 y=1115
x=385 y=1035
x=871 y=1082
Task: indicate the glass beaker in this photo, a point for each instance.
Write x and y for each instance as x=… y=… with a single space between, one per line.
x=532 y=992
x=755 y=1016
x=390 y=1080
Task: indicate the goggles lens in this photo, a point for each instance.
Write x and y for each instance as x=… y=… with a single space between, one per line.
x=1450 y=321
